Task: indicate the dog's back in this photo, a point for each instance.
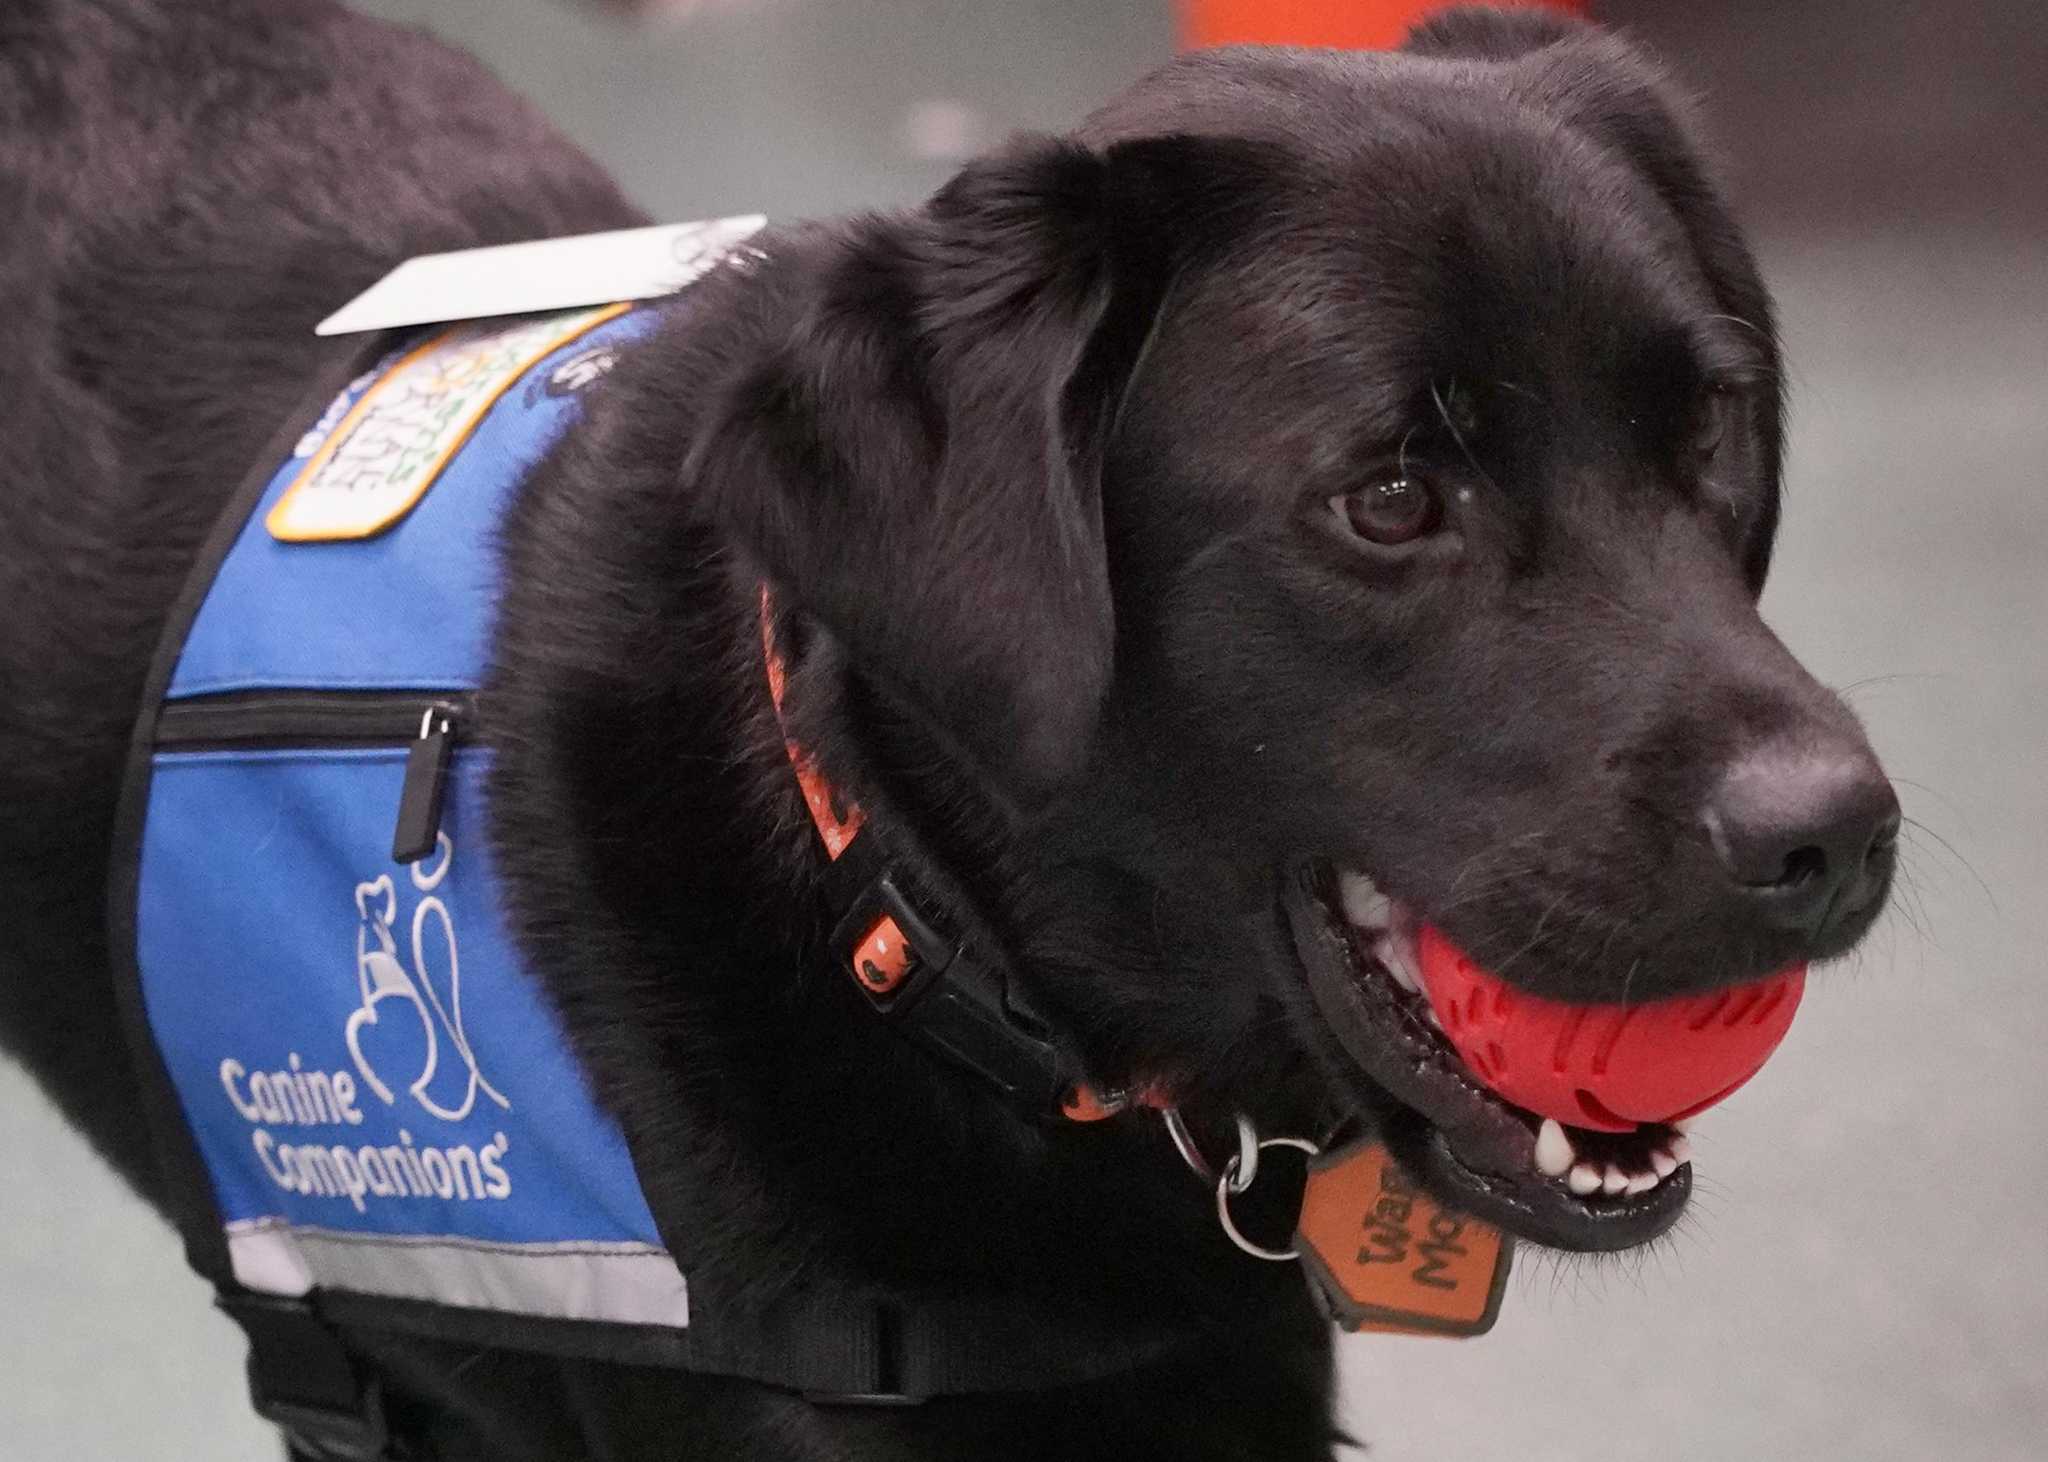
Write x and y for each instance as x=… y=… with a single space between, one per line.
x=187 y=189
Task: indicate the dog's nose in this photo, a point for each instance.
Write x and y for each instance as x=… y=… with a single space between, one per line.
x=1806 y=834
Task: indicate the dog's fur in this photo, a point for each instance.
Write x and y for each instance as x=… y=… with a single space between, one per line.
x=1040 y=472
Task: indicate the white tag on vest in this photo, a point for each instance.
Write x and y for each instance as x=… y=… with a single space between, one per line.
x=547 y=274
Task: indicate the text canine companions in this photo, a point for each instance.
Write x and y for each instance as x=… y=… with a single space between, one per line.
x=1069 y=650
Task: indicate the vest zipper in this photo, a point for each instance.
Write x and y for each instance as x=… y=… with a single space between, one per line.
x=433 y=722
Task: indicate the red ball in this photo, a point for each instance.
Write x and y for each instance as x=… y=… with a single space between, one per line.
x=1606 y=1067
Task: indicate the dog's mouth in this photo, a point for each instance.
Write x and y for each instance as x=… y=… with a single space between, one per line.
x=1565 y=1186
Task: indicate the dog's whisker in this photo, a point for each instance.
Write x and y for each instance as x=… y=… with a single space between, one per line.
x=1921 y=830
x=1947 y=802
x=1896 y=677
x=1749 y=325
x=1458 y=436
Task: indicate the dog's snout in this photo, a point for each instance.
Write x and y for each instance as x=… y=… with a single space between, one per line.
x=1807 y=835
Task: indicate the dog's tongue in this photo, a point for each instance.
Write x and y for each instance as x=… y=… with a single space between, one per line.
x=1606 y=1067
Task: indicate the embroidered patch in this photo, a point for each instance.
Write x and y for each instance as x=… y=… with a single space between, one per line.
x=381 y=458
x=1382 y=1254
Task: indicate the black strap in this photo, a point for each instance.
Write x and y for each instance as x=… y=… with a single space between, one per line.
x=840 y=1349
x=299 y=1375
x=879 y=1352
x=303 y=1379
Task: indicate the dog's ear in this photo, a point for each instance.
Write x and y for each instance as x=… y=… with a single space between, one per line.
x=913 y=461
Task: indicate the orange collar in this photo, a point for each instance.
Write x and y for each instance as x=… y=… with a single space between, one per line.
x=908 y=970
x=883 y=960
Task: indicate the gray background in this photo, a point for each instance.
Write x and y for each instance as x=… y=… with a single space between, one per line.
x=1864 y=1276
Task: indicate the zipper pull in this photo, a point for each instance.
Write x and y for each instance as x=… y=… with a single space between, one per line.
x=426 y=784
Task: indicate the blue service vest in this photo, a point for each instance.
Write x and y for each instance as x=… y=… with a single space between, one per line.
x=381 y=1098
x=361 y=1101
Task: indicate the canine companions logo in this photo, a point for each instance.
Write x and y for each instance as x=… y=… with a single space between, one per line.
x=408 y=1045
x=381 y=976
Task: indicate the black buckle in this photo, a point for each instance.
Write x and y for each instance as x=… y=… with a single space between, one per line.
x=949 y=1000
x=931 y=953
x=320 y=1435
x=303 y=1380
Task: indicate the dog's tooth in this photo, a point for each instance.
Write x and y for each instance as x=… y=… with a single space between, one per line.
x=1681 y=1148
x=1583 y=1179
x=1364 y=905
x=1397 y=953
x=1613 y=1180
x=1554 y=1152
x=1399 y=962
x=1640 y=1183
x=1662 y=1162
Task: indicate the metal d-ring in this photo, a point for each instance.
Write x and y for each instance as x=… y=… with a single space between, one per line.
x=1235 y=1181
x=1184 y=1144
x=1244 y=1164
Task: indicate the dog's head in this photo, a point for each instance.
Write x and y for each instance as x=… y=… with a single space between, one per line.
x=1329 y=491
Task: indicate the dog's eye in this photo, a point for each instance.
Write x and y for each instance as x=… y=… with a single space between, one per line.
x=1396 y=511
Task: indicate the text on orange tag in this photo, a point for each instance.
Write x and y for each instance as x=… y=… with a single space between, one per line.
x=1384 y=1255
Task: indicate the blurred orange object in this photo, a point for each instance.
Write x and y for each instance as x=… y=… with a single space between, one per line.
x=1355 y=23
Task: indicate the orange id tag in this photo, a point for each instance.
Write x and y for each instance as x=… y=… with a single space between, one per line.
x=1383 y=1255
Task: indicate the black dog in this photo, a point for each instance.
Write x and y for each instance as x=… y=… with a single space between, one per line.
x=1317 y=463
